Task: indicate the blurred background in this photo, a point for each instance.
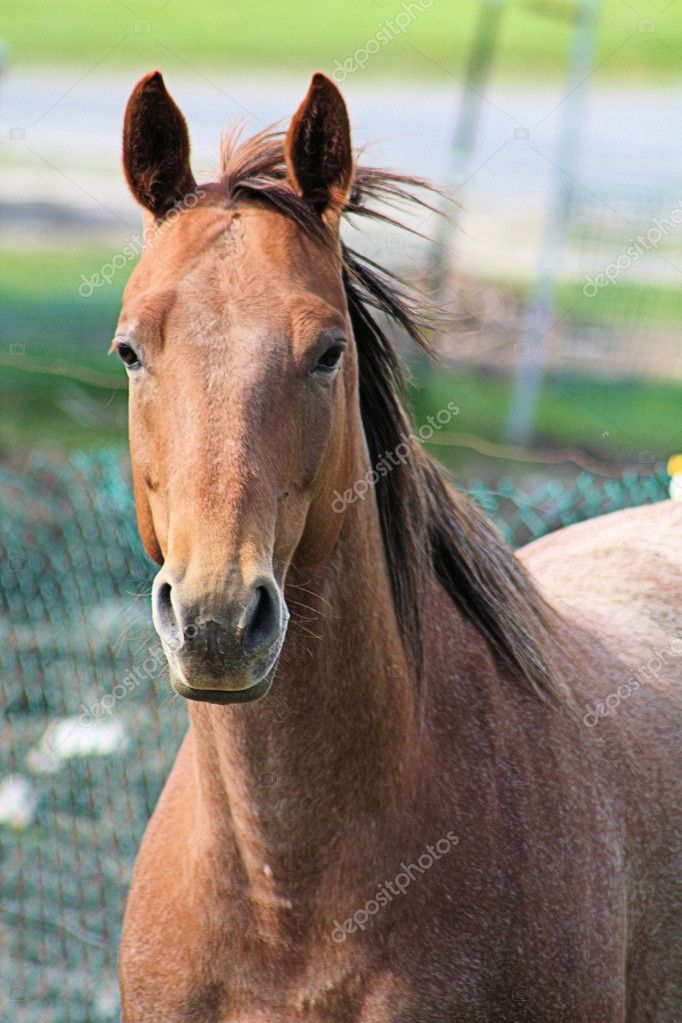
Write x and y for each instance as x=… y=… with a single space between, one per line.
x=554 y=124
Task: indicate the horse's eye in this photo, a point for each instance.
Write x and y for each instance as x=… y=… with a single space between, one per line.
x=329 y=361
x=127 y=355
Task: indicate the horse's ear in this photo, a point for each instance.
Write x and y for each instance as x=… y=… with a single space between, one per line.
x=318 y=148
x=156 y=147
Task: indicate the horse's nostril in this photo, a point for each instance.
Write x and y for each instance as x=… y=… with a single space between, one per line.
x=218 y=633
x=262 y=620
x=164 y=617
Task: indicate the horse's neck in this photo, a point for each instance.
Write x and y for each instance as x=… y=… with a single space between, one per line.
x=333 y=742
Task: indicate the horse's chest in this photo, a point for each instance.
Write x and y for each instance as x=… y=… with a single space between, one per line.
x=432 y=975
x=375 y=997
x=201 y=984
x=378 y=999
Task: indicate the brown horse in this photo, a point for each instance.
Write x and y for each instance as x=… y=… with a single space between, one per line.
x=460 y=798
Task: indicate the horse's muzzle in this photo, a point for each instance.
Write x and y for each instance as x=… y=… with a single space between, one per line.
x=220 y=649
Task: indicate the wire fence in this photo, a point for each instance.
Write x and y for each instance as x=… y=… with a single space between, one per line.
x=617 y=308
x=89 y=729
x=625 y=253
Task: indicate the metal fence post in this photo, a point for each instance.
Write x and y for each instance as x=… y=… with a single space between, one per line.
x=464 y=137
x=540 y=311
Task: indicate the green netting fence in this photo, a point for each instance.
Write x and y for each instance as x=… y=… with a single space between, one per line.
x=88 y=728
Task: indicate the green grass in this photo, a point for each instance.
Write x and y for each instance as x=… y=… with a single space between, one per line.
x=47 y=323
x=637 y=41
x=41 y=411
x=43 y=314
x=622 y=302
x=56 y=341
x=633 y=421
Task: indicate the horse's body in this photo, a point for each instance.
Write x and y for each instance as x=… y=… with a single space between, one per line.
x=386 y=837
x=561 y=899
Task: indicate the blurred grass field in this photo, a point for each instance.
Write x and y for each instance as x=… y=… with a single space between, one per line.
x=59 y=390
x=636 y=41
